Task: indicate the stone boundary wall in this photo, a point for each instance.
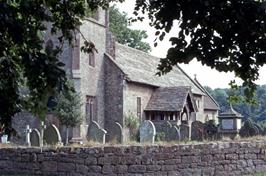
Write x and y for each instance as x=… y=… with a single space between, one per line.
x=235 y=158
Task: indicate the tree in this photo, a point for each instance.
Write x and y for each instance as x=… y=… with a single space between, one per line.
x=119 y=26
x=68 y=110
x=23 y=61
x=225 y=35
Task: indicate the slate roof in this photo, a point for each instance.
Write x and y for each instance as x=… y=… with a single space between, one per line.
x=209 y=101
x=230 y=113
x=141 y=67
x=169 y=99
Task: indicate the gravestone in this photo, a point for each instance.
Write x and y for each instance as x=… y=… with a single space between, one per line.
x=28 y=131
x=197 y=131
x=51 y=135
x=174 y=134
x=211 y=130
x=260 y=130
x=147 y=132
x=248 y=129
x=184 y=132
x=35 y=138
x=166 y=127
x=96 y=133
x=118 y=133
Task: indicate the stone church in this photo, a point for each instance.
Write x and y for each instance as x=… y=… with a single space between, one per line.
x=118 y=81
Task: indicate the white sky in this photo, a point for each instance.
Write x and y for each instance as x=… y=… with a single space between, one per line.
x=205 y=75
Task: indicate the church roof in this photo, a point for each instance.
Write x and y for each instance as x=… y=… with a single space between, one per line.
x=162 y=99
x=209 y=101
x=141 y=67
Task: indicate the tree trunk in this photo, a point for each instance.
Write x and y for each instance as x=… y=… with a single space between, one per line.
x=67 y=132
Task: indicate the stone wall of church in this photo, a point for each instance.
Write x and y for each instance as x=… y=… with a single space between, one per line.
x=92 y=78
x=212 y=115
x=113 y=97
x=210 y=159
x=131 y=92
x=199 y=100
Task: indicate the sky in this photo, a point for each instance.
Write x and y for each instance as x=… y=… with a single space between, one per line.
x=205 y=75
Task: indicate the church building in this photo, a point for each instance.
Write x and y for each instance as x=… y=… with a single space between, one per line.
x=117 y=81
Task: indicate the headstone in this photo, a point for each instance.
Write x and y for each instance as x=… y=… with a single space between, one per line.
x=166 y=127
x=147 y=132
x=118 y=133
x=260 y=130
x=211 y=130
x=51 y=135
x=35 y=138
x=43 y=127
x=174 y=134
x=28 y=131
x=184 y=132
x=197 y=131
x=248 y=129
x=96 y=133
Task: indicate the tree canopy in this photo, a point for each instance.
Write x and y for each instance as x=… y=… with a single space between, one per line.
x=120 y=27
x=225 y=35
x=29 y=73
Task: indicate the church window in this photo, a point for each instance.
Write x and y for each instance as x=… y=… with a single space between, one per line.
x=162 y=116
x=90 y=108
x=92 y=59
x=139 y=107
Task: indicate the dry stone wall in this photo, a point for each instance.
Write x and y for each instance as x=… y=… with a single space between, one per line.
x=203 y=159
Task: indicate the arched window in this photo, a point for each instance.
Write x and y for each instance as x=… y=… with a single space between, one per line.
x=92 y=59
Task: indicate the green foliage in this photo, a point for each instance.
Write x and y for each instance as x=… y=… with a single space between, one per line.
x=119 y=26
x=225 y=35
x=24 y=63
x=160 y=137
x=255 y=111
x=132 y=123
x=68 y=109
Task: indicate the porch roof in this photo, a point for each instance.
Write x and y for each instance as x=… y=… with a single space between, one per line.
x=170 y=99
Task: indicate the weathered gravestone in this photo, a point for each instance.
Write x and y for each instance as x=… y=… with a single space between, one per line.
x=35 y=138
x=118 y=133
x=248 y=129
x=51 y=135
x=197 y=131
x=184 y=132
x=166 y=127
x=96 y=133
x=147 y=132
x=211 y=130
x=174 y=134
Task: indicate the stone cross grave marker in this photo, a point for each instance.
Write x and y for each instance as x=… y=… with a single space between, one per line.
x=96 y=133
x=147 y=132
x=118 y=133
x=197 y=131
x=28 y=131
x=43 y=127
x=174 y=134
x=35 y=138
x=184 y=132
x=51 y=135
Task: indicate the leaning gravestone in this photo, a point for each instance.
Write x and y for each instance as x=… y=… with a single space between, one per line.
x=197 y=131
x=35 y=138
x=147 y=132
x=96 y=133
x=184 y=132
x=174 y=134
x=51 y=135
x=118 y=133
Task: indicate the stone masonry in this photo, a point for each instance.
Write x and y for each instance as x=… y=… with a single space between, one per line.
x=236 y=158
